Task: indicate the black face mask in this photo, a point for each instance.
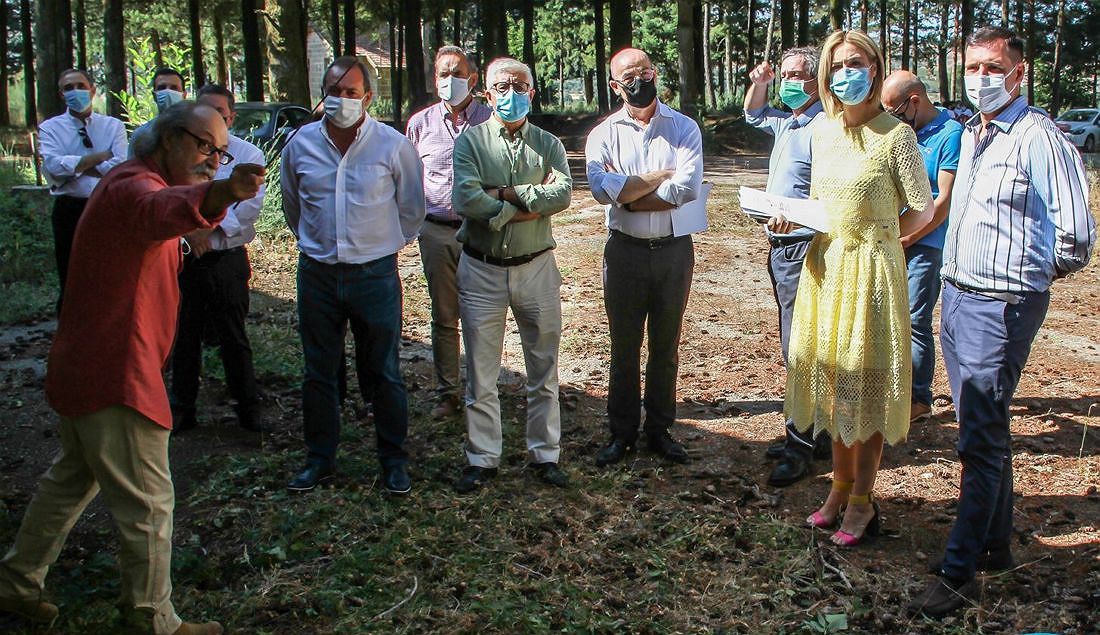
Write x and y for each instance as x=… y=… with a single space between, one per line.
x=641 y=93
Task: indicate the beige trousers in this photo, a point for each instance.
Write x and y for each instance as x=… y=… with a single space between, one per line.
x=125 y=455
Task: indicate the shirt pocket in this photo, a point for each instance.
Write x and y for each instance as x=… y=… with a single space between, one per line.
x=369 y=185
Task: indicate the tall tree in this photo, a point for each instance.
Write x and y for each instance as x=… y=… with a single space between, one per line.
x=5 y=117
x=349 y=27
x=685 y=43
x=456 y=28
x=253 y=56
x=414 y=56
x=786 y=23
x=529 y=53
x=883 y=30
x=114 y=54
x=1004 y=14
x=30 y=110
x=906 y=25
x=198 y=71
x=941 y=52
x=750 y=36
x=334 y=23
x=708 y=77
x=53 y=33
x=966 y=25
x=837 y=10
x=1059 y=59
x=286 y=43
x=863 y=13
x=221 y=63
x=599 y=42
x=1030 y=52
x=81 y=35
x=803 y=22
x=619 y=18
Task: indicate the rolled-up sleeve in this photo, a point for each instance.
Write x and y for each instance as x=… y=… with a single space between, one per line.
x=549 y=198
x=408 y=176
x=766 y=118
x=119 y=147
x=684 y=185
x=1058 y=176
x=288 y=185
x=58 y=165
x=468 y=197
x=606 y=186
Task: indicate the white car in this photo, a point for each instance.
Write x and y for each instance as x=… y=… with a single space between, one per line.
x=1082 y=126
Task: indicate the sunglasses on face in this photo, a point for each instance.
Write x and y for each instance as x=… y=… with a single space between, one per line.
x=207 y=149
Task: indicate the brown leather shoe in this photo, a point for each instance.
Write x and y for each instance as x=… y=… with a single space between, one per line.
x=209 y=628
x=35 y=611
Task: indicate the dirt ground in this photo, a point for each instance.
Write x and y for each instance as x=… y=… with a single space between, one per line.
x=730 y=402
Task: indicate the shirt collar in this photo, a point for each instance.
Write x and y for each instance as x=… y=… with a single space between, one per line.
x=1006 y=118
x=937 y=122
x=77 y=121
x=806 y=117
x=359 y=132
x=502 y=132
x=621 y=116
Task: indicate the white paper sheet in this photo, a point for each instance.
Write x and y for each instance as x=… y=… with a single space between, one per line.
x=691 y=218
x=806 y=212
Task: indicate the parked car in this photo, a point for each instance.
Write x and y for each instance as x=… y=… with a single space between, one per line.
x=269 y=124
x=1082 y=126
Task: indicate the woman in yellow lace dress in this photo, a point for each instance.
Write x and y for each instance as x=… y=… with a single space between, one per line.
x=849 y=362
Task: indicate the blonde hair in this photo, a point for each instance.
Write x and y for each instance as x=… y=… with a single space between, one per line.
x=859 y=39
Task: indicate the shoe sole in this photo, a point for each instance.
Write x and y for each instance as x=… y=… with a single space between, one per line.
x=320 y=481
x=397 y=492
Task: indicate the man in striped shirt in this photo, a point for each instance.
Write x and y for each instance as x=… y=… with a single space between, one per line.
x=1019 y=220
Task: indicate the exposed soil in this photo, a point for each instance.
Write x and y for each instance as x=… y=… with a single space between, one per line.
x=730 y=391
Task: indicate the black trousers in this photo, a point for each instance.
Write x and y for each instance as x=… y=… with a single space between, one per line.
x=214 y=298
x=66 y=214
x=645 y=290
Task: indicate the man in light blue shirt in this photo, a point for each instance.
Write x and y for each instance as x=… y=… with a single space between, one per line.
x=1019 y=220
x=788 y=175
x=939 y=137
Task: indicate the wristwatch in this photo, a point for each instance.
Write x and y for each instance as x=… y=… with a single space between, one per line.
x=500 y=193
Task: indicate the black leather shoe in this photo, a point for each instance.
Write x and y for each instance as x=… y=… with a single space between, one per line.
x=473 y=477
x=183 y=420
x=311 y=477
x=549 y=472
x=943 y=597
x=986 y=562
x=662 y=443
x=823 y=447
x=793 y=468
x=251 y=420
x=396 y=480
x=613 y=452
x=776 y=450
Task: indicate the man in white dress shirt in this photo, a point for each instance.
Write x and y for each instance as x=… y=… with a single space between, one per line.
x=214 y=291
x=353 y=195
x=78 y=147
x=643 y=162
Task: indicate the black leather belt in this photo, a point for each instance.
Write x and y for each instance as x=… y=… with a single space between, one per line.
x=1003 y=296
x=648 y=243
x=453 y=224
x=775 y=241
x=514 y=261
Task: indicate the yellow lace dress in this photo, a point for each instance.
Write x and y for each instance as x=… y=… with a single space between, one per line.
x=849 y=369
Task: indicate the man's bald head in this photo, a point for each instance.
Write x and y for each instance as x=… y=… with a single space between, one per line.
x=629 y=58
x=902 y=84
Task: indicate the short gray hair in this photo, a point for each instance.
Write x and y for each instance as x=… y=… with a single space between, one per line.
x=451 y=49
x=810 y=55
x=508 y=65
x=166 y=124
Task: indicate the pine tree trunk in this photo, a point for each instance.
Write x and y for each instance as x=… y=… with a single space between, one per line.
x=803 y=22
x=966 y=26
x=53 y=47
x=5 y=116
x=786 y=23
x=30 y=111
x=80 y=26
x=253 y=56
x=529 y=53
x=837 y=11
x=750 y=38
x=620 y=34
x=685 y=39
x=708 y=70
x=220 y=62
x=198 y=72
x=414 y=56
x=349 y=27
x=1056 y=76
x=334 y=23
x=915 y=22
x=456 y=28
x=1030 y=52
x=289 y=68
x=907 y=7
x=863 y=14
x=941 y=53
x=599 y=43
x=114 y=54
x=884 y=30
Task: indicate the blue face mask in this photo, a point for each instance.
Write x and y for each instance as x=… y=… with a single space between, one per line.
x=851 y=85
x=78 y=100
x=167 y=98
x=512 y=106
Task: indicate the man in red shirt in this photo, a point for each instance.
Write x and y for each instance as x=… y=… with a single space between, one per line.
x=104 y=376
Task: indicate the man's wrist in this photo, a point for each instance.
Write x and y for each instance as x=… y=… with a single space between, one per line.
x=500 y=193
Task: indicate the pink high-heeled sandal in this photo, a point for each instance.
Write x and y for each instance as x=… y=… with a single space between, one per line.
x=817 y=520
x=844 y=539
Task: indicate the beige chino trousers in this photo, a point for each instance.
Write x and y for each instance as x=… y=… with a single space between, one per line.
x=125 y=455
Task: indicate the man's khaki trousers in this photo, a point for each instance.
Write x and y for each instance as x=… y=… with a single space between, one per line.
x=125 y=455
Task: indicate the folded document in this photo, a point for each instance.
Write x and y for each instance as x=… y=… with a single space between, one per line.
x=761 y=206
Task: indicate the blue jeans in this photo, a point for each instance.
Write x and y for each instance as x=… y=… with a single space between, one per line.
x=924 y=264
x=368 y=296
x=986 y=343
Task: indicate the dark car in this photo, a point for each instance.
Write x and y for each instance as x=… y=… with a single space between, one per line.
x=269 y=124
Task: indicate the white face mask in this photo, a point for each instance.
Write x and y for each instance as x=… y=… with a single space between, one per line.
x=987 y=92
x=453 y=89
x=343 y=112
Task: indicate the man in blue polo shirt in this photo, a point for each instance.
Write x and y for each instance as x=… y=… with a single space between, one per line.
x=788 y=175
x=939 y=137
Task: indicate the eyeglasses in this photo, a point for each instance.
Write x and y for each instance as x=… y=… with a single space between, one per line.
x=84 y=139
x=208 y=149
x=519 y=87
x=646 y=75
x=901 y=108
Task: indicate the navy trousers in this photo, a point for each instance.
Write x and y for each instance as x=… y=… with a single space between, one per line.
x=368 y=296
x=785 y=269
x=985 y=344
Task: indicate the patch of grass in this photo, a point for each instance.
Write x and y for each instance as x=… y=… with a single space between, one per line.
x=27 y=271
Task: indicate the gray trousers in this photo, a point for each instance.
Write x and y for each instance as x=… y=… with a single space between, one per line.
x=533 y=292
x=439 y=253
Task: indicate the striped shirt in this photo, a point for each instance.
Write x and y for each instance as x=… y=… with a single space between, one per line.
x=1019 y=207
x=433 y=131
